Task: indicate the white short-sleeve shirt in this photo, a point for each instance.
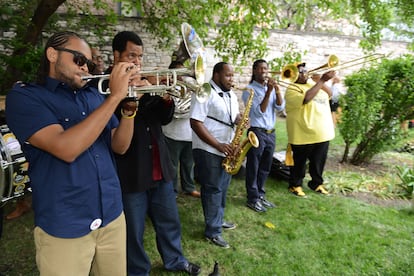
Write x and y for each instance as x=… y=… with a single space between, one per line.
x=218 y=115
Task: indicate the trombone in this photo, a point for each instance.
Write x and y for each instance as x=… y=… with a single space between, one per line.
x=287 y=77
x=333 y=63
x=173 y=86
x=290 y=72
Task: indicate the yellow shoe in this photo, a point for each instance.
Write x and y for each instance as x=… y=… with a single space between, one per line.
x=320 y=189
x=297 y=191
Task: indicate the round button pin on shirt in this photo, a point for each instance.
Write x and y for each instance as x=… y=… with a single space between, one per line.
x=95 y=224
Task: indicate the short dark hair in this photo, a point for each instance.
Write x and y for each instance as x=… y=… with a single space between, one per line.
x=120 y=40
x=303 y=64
x=56 y=40
x=219 y=67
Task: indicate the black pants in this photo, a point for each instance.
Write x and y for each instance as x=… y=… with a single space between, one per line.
x=1 y=221
x=316 y=154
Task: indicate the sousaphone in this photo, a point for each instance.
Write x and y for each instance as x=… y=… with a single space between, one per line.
x=192 y=54
x=191 y=46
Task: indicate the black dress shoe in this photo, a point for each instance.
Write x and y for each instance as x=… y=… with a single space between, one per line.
x=257 y=206
x=192 y=269
x=219 y=241
x=228 y=225
x=266 y=203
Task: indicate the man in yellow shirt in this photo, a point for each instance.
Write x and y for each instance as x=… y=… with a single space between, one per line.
x=310 y=128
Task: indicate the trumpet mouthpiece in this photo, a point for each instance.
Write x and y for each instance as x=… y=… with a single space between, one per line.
x=131 y=68
x=86 y=78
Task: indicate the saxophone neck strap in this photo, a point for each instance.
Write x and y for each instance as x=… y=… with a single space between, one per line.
x=220 y=121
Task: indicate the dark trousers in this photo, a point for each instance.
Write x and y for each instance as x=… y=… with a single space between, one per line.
x=160 y=205
x=316 y=154
x=1 y=221
x=181 y=154
x=258 y=165
x=214 y=182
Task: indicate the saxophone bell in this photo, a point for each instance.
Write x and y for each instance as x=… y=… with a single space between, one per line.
x=241 y=145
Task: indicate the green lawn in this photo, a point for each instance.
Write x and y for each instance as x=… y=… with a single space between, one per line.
x=335 y=235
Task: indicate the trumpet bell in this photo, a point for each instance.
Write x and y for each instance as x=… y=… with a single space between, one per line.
x=201 y=91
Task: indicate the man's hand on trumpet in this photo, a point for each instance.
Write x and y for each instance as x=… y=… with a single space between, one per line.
x=120 y=78
x=137 y=80
x=272 y=83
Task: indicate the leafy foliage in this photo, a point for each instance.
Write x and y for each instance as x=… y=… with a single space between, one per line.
x=379 y=99
x=239 y=29
x=28 y=19
x=406 y=175
x=243 y=27
x=290 y=55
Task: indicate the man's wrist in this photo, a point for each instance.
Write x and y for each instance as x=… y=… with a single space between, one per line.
x=128 y=114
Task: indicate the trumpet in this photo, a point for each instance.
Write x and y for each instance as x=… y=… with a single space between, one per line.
x=173 y=86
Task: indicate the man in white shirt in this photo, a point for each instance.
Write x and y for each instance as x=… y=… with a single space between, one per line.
x=213 y=123
x=178 y=136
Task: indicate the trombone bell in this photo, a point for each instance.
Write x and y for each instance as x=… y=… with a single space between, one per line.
x=333 y=61
x=290 y=73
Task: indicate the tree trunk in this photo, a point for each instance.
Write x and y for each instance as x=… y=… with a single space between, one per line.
x=346 y=152
x=44 y=10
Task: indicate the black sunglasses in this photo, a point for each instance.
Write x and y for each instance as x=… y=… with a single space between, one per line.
x=79 y=58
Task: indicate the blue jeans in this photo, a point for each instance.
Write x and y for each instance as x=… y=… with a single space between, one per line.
x=160 y=205
x=214 y=181
x=258 y=165
x=181 y=154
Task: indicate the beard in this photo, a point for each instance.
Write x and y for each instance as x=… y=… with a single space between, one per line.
x=67 y=76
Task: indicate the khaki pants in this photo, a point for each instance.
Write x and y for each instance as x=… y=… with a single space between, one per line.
x=101 y=252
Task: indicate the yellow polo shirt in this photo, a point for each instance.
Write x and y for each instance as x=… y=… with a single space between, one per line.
x=308 y=123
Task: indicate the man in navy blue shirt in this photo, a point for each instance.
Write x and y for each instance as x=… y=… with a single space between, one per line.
x=68 y=134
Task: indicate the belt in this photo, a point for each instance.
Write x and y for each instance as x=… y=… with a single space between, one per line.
x=268 y=131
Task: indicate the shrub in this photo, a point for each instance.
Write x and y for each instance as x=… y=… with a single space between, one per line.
x=406 y=175
x=378 y=100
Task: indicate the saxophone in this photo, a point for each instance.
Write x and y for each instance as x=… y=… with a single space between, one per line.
x=232 y=163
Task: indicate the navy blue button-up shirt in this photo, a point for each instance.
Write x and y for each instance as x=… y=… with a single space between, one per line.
x=69 y=199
